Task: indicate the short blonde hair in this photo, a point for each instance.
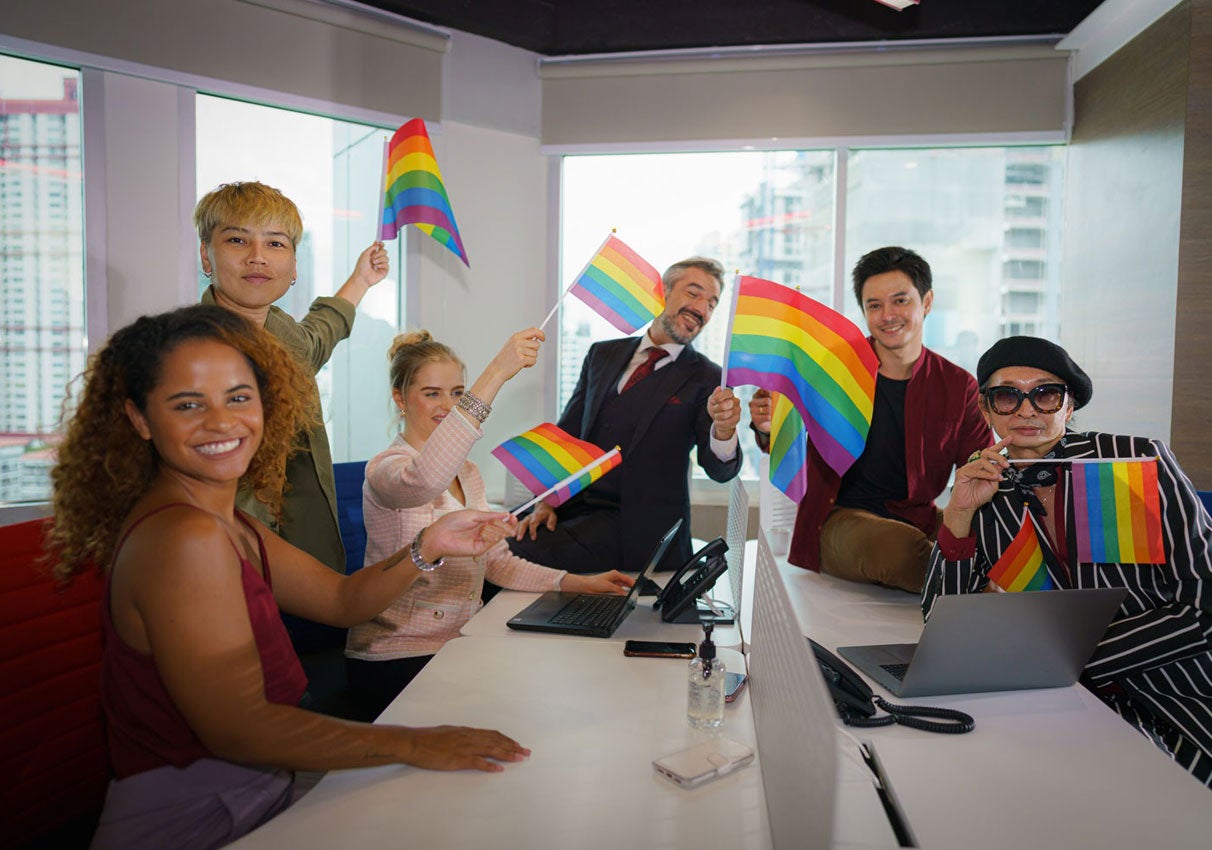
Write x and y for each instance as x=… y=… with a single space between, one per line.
x=252 y=203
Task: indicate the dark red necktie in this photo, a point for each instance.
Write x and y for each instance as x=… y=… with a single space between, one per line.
x=646 y=368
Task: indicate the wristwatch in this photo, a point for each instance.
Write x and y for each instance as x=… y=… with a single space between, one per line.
x=418 y=559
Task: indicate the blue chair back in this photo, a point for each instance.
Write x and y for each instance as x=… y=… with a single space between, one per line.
x=349 y=478
x=1205 y=496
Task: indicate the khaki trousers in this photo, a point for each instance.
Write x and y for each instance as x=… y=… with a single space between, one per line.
x=861 y=546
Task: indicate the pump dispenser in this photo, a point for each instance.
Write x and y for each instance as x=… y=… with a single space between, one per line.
x=705 y=696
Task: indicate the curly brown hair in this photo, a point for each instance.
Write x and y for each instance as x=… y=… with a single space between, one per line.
x=104 y=466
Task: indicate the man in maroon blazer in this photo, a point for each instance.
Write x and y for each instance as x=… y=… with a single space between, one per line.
x=877 y=523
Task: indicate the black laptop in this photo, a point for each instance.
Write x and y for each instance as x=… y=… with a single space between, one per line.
x=588 y=614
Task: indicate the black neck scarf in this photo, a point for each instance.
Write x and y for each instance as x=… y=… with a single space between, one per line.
x=1026 y=477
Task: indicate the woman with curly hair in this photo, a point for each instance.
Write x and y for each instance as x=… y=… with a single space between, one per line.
x=199 y=680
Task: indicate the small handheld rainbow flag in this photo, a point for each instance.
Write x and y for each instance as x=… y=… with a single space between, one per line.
x=1022 y=566
x=413 y=192
x=786 y=342
x=788 y=449
x=553 y=464
x=621 y=286
x=1117 y=512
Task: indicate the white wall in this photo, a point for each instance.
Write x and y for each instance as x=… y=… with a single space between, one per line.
x=497 y=183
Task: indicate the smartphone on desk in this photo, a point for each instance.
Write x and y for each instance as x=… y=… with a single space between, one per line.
x=734 y=683
x=657 y=649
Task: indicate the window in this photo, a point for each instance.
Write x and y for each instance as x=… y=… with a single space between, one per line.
x=987 y=220
x=41 y=267
x=769 y=214
x=333 y=171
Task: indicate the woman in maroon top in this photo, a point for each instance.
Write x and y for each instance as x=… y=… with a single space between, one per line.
x=199 y=681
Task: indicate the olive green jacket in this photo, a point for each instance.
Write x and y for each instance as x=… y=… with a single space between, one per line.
x=309 y=507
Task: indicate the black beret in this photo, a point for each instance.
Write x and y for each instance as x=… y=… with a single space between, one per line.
x=1038 y=354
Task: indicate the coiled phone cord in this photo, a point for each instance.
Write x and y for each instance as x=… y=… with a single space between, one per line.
x=947 y=721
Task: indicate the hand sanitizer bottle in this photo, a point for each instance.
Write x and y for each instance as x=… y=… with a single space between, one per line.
x=705 y=696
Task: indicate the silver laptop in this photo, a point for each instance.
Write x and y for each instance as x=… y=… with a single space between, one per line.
x=980 y=642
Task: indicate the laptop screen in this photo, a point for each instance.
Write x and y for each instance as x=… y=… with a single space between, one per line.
x=654 y=559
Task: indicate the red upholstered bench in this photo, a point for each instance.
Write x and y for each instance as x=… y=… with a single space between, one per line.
x=53 y=766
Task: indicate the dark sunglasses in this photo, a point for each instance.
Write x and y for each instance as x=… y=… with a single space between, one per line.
x=1046 y=398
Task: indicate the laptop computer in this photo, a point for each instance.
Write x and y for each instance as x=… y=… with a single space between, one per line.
x=980 y=642
x=587 y=614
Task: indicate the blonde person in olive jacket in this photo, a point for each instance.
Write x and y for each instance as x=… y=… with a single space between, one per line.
x=249 y=233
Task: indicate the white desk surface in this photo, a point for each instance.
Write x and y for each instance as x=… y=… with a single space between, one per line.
x=1049 y=768
x=1043 y=769
x=594 y=720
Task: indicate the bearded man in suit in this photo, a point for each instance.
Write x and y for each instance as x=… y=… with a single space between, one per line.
x=657 y=407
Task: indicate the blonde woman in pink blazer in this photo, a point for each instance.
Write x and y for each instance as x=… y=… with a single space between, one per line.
x=421 y=476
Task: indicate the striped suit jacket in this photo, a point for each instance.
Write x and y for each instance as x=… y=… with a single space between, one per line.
x=1158 y=649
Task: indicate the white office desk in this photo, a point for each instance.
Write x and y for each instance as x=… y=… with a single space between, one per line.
x=1048 y=768
x=594 y=720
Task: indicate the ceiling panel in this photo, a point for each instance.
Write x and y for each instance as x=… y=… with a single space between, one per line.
x=563 y=27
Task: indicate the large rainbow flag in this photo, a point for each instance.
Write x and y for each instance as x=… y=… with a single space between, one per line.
x=786 y=342
x=788 y=450
x=621 y=286
x=1022 y=565
x=545 y=458
x=1117 y=512
x=414 y=192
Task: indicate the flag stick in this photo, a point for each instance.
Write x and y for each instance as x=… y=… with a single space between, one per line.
x=578 y=276
x=567 y=480
x=1082 y=460
x=383 y=194
x=736 y=288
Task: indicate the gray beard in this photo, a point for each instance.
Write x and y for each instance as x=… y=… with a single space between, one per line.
x=675 y=333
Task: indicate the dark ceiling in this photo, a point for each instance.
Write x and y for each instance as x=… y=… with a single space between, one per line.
x=564 y=27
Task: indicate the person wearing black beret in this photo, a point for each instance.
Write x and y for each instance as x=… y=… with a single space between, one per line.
x=1154 y=664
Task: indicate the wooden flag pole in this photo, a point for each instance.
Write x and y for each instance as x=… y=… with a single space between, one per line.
x=577 y=277
x=736 y=288
x=1082 y=460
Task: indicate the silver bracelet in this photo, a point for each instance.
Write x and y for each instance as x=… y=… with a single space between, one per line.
x=474 y=407
x=418 y=559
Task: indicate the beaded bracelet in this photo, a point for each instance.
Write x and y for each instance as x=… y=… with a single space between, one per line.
x=474 y=407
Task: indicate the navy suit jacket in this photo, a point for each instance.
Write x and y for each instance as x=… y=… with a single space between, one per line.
x=654 y=490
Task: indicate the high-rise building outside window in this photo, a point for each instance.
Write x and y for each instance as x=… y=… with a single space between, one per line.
x=987 y=219
x=333 y=171
x=43 y=342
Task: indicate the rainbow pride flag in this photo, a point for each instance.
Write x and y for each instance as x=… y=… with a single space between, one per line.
x=621 y=286
x=788 y=450
x=413 y=190
x=1117 y=512
x=1022 y=566
x=553 y=464
x=786 y=342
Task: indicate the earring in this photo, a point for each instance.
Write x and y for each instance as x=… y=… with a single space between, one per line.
x=292 y=281
x=206 y=275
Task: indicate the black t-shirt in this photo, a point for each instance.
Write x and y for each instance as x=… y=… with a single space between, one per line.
x=878 y=476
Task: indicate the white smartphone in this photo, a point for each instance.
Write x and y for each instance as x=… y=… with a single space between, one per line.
x=704 y=762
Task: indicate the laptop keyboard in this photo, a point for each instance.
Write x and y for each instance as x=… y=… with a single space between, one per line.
x=589 y=610
x=897 y=670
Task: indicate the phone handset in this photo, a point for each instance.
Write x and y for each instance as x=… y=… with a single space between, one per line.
x=710 y=550
x=850 y=693
x=856 y=703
